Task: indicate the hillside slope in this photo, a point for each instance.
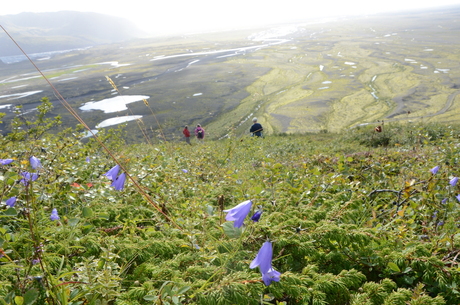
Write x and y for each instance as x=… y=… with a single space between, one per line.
x=327 y=219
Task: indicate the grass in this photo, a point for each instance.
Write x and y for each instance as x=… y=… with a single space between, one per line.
x=354 y=217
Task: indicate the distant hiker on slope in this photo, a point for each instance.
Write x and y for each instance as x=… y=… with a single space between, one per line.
x=186 y=133
x=199 y=133
x=256 y=128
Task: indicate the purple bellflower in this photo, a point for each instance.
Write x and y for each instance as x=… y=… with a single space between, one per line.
x=54 y=215
x=271 y=276
x=11 y=202
x=88 y=159
x=444 y=201
x=28 y=177
x=35 y=162
x=264 y=261
x=256 y=216
x=113 y=172
x=239 y=213
x=119 y=183
x=5 y=161
x=434 y=170
x=458 y=197
x=264 y=258
x=453 y=181
x=184 y=170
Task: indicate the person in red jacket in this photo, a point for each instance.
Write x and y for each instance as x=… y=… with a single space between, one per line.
x=186 y=133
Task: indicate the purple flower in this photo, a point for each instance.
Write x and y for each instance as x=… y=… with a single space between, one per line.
x=38 y=248
x=185 y=171
x=28 y=177
x=453 y=181
x=54 y=215
x=88 y=159
x=271 y=276
x=441 y=223
x=264 y=261
x=263 y=258
x=444 y=201
x=434 y=170
x=458 y=197
x=119 y=183
x=256 y=216
x=35 y=261
x=5 y=161
x=238 y=213
x=11 y=202
x=113 y=172
x=34 y=162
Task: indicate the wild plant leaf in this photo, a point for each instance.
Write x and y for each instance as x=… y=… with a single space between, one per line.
x=230 y=230
x=87 y=212
x=19 y=300
x=30 y=297
x=394 y=267
x=150 y=298
x=11 y=212
x=74 y=221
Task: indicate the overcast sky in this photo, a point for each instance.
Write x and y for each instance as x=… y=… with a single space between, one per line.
x=192 y=15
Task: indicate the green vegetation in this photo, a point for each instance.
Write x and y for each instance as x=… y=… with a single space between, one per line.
x=360 y=217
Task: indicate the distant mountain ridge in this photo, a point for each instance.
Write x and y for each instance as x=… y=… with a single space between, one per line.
x=42 y=32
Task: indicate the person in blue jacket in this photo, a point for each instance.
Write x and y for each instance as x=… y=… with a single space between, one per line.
x=256 y=128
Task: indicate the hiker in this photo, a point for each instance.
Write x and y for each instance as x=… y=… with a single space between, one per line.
x=199 y=133
x=186 y=133
x=256 y=128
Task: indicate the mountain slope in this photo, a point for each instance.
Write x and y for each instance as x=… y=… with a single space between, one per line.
x=40 y=32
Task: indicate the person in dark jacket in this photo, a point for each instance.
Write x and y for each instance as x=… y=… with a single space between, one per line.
x=199 y=133
x=256 y=128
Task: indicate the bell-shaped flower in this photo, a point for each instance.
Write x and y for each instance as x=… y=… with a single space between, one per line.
x=88 y=159
x=113 y=172
x=35 y=162
x=264 y=261
x=263 y=258
x=5 y=161
x=453 y=181
x=28 y=177
x=434 y=170
x=54 y=215
x=458 y=197
x=238 y=213
x=11 y=202
x=271 y=276
x=256 y=216
x=119 y=183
